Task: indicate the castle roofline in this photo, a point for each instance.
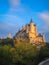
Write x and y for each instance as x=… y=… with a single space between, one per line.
x=34 y=24
x=40 y=35
x=28 y=24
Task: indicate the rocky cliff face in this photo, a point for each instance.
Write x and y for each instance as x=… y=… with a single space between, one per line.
x=22 y=36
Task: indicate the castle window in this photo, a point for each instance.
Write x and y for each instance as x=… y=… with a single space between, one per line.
x=30 y=37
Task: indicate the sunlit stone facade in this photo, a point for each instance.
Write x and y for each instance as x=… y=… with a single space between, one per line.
x=33 y=35
x=29 y=32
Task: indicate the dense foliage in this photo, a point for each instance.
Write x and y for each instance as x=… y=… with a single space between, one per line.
x=22 y=54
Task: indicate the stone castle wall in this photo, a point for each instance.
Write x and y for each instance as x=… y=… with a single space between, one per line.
x=33 y=35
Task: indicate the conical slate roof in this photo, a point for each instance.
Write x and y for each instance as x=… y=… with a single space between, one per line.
x=31 y=21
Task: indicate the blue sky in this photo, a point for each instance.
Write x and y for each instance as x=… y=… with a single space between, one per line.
x=16 y=13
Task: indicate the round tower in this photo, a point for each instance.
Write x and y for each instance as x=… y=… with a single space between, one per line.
x=9 y=36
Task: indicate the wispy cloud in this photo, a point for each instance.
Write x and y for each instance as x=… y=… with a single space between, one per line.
x=44 y=16
x=13 y=19
x=10 y=24
x=6 y=28
x=19 y=10
x=14 y=3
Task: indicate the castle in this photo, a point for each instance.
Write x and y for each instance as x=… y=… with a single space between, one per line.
x=30 y=32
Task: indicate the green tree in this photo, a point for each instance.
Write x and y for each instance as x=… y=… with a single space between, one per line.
x=26 y=52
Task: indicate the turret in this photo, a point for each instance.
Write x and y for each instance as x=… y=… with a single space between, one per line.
x=23 y=28
x=35 y=30
x=27 y=29
x=9 y=36
x=43 y=37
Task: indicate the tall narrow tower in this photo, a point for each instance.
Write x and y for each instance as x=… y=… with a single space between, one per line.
x=43 y=37
x=32 y=27
x=32 y=33
x=35 y=30
x=27 y=29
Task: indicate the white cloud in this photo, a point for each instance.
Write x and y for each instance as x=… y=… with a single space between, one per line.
x=14 y=3
x=20 y=10
x=15 y=6
x=44 y=16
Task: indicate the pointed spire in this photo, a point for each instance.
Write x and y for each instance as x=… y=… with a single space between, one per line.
x=31 y=21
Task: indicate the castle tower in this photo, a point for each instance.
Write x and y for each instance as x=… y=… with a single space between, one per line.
x=32 y=32
x=23 y=28
x=9 y=36
x=27 y=29
x=29 y=32
x=43 y=37
x=35 y=30
x=32 y=27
